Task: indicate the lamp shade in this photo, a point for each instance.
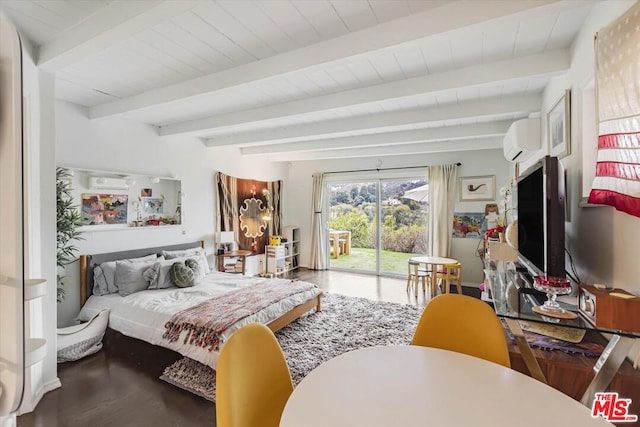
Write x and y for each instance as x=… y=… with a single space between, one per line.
x=225 y=237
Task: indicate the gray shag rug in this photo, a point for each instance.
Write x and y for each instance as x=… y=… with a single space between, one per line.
x=345 y=324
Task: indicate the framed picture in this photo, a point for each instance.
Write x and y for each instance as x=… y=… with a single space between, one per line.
x=559 y=127
x=104 y=209
x=479 y=188
x=146 y=192
x=153 y=206
x=467 y=225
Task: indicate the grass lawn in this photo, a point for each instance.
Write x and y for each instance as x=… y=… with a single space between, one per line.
x=365 y=259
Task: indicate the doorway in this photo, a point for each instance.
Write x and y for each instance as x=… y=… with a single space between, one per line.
x=376 y=225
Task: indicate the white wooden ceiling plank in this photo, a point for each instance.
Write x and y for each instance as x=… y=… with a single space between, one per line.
x=515 y=87
x=412 y=150
x=533 y=34
x=323 y=17
x=145 y=74
x=437 y=55
x=365 y=72
x=536 y=85
x=303 y=84
x=547 y=63
x=343 y=75
x=152 y=71
x=387 y=67
x=77 y=94
x=467 y=94
x=427 y=100
x=45 y=13
x=355 y=14
x=498 y=42
x=388 y=10
x=490 y=91
x=173 y=41
x=215 y=40
x=566 y=27
x=323 y=80
x=75 y=11
x=466 y=48
x=166 y=47
x=165 y=64
x=256 y=21
x=226 y=24
x=411 y=62
x=190 y=43
x=474 y=131
x=371 y=118
x=411 y=29
x=288 y=18
x=417 y=6
x=117 y=22
x=446 y=98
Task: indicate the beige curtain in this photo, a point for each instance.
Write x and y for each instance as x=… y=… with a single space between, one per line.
x=442 y=198
x=318 y=233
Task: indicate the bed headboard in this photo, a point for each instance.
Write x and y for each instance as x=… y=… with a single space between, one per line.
x=88 y=262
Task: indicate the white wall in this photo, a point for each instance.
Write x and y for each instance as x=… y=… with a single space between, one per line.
x=121 y=145
x=602 y=241
x=298 y=185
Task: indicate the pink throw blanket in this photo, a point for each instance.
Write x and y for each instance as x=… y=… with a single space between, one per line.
x=206 y=321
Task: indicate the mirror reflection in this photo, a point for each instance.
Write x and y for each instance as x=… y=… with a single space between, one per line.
x=108 y=199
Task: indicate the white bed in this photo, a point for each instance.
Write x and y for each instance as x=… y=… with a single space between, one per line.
x=143 y=315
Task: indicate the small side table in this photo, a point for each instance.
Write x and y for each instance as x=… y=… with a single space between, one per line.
x=242 y=254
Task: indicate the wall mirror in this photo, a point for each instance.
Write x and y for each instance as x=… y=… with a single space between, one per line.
x=116 y=200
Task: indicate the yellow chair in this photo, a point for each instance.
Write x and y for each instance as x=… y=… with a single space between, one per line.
x=451 y=273
x=414 y=274
x=253 y=381
x=463 y=324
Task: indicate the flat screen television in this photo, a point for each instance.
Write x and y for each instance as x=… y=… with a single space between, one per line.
x=541 y=214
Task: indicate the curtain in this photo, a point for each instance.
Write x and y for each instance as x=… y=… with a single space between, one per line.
x=617 y=56
x=318 y=237
x=442 y=198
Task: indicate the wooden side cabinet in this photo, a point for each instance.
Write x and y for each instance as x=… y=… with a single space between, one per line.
x=572 y=373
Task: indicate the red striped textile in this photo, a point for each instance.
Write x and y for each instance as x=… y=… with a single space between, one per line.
x=617 y=180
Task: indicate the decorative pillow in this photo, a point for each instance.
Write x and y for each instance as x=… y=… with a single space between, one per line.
x=104 y=275
x=129 y=278
x=158 y=274
x=184 y=275
x=198 y=253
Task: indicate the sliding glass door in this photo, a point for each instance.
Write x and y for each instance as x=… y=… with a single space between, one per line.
x=376 y=225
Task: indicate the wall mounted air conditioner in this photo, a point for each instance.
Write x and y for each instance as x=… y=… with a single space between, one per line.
x=522 y=140
x=102 y=182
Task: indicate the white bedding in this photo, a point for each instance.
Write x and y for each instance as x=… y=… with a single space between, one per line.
x=142 y=315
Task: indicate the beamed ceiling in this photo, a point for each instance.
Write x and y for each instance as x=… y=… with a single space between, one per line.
x=307 y=79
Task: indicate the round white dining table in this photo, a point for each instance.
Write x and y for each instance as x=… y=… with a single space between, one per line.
x=420 y=386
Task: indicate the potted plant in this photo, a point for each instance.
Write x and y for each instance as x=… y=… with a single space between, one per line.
x=68 y=220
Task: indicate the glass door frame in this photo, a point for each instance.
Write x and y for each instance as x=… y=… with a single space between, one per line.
x=376 y=176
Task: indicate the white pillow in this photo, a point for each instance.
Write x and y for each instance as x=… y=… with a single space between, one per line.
x=129 y=277
x=104 y=275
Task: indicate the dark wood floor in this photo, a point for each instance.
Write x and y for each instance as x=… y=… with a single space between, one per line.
x=119 y=386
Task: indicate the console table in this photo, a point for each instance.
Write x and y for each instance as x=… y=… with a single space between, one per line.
x=500 y=275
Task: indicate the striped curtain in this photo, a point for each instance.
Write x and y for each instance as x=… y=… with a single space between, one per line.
x=617 y=55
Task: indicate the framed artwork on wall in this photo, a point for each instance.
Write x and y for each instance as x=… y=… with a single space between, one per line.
x=559 y=127
x=477 y=188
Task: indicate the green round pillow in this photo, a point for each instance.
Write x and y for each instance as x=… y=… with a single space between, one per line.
x=182 y=275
